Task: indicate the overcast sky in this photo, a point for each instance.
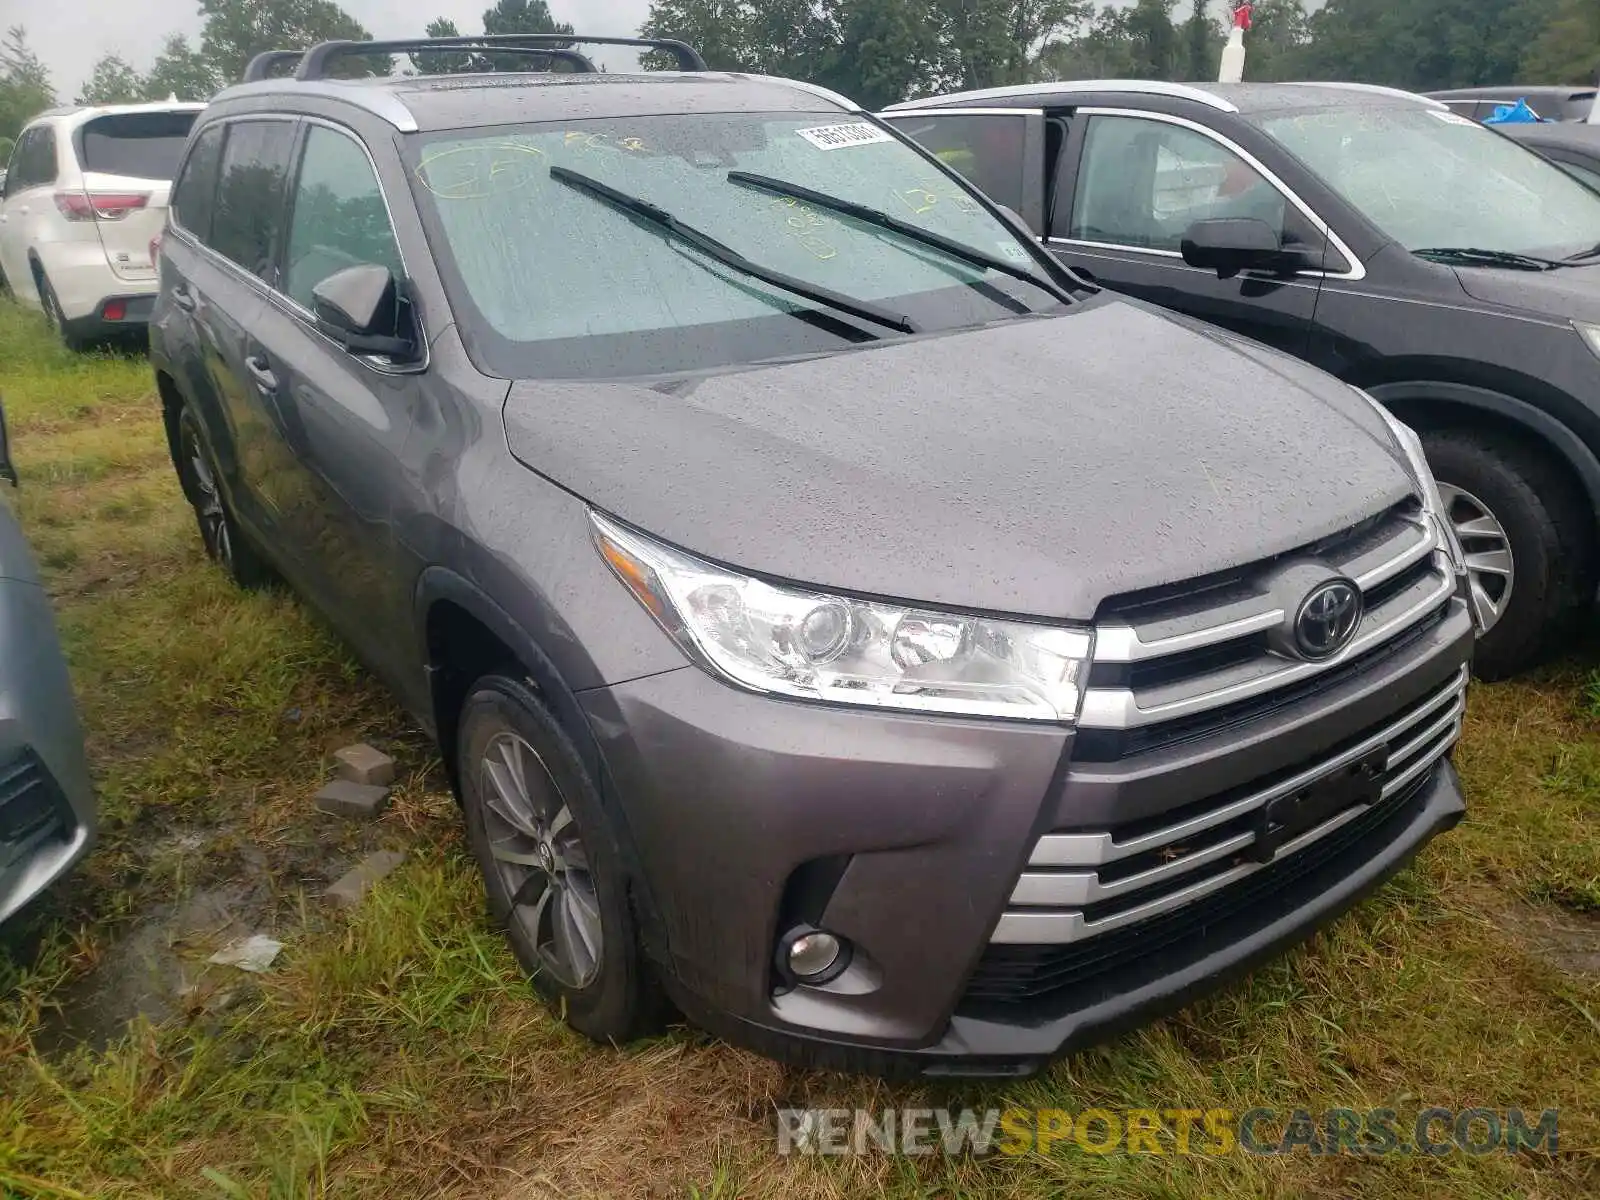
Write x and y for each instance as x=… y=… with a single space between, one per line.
x=69 y=35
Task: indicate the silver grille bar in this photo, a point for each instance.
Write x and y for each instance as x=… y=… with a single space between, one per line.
x=1119 y=642
x=1095 y=849
x=1430 y=729
x=1118 y=708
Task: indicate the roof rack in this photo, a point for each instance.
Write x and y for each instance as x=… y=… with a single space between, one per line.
x=314 y=63
x=263 y=65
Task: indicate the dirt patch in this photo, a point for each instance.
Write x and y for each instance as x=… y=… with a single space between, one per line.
x=1569 y=941
x=156 y=968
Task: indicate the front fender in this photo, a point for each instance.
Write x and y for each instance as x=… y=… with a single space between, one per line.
x=1572 y=449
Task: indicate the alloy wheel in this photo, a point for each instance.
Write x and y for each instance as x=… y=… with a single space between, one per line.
x=541 y=859
x=52 y=308
x=1491 y=570
x=207 y=501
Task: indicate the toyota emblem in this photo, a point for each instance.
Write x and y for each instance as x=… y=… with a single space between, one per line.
x=1327 y=620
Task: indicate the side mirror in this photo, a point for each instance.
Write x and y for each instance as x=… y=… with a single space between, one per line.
x=359 y=307
x=1228 y=245
x=7 y=471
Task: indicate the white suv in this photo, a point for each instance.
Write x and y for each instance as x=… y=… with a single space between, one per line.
x=84 y=198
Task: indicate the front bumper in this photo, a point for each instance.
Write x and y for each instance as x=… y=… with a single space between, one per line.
x=47 y=809
x=907 y=836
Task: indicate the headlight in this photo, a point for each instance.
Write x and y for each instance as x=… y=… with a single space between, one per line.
x=1432 y=502
x=1589 y=333
x=792 y=641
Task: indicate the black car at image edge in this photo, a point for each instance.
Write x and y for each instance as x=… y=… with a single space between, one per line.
x=1376 y=234
x=836 y=618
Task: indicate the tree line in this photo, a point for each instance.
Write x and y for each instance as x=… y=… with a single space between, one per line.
x=880 y=51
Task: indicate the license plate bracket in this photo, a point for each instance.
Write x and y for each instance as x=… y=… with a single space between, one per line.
x=1286 y=818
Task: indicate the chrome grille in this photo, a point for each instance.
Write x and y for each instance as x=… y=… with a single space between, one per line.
x=31 y=807
x=1176 y=657
x=1079 y=885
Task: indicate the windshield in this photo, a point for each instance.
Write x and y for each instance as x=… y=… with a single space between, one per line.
x=1433 y=179
x=552 y=282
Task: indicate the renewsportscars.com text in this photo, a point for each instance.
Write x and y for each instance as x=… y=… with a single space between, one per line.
x=1214 y=1132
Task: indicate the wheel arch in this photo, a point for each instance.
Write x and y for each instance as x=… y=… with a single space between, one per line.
x=455 y=616
x=1426 y=404
x=466 y=634
x=171 y=407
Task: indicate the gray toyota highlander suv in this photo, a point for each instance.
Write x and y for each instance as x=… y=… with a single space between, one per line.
x=836 y=618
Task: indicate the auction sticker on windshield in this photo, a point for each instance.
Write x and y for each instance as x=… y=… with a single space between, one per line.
x=836 y=137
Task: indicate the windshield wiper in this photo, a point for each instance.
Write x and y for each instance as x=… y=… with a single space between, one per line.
x=1591 y=252
x=915 y=233
x=661 y=219
x=1474 y=257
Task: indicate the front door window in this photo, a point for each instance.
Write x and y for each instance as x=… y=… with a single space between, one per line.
x=1142 y=183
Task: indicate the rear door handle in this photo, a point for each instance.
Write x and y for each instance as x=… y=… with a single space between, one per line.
x=183 y=298
x=261 y=371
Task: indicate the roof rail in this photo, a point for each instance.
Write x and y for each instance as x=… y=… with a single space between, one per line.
x=1147 y=87
x=1373 y=89
x=262 y=65
x=314 y=63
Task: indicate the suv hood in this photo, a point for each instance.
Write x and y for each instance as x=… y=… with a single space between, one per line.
x=1566 y=293
x=1034 y=467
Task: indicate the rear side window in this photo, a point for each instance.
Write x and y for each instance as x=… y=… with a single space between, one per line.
x=143 y=145
x=247 y=221
x=340 y=219
x=33 y=164
x=196 y=190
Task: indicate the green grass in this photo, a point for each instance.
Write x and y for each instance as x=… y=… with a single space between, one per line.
x=396 y=1052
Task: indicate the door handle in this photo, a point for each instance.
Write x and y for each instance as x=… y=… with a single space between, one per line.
x=183 y=298
x=261 y=371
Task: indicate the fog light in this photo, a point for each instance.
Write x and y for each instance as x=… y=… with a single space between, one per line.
x=114 y=310
x=814 y=954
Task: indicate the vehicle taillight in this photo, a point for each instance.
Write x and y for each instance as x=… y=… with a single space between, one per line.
x=99 y=206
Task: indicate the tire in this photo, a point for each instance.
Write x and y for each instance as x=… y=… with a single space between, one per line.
x=1545 y=523
x=52 y=311
x=526 y=793
x=219 y=532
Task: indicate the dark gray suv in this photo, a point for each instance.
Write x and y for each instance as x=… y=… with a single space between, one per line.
x=837 y=619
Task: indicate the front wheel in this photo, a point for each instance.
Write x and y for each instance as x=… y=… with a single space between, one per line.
x=550 y=863
x=1528 y=537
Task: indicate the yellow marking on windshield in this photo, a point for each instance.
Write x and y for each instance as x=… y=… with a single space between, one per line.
x=918 y=200
x=479 y=170
x=802 y=221
x=579 y=140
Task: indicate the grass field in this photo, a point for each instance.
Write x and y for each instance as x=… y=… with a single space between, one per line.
x=394 y=1051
